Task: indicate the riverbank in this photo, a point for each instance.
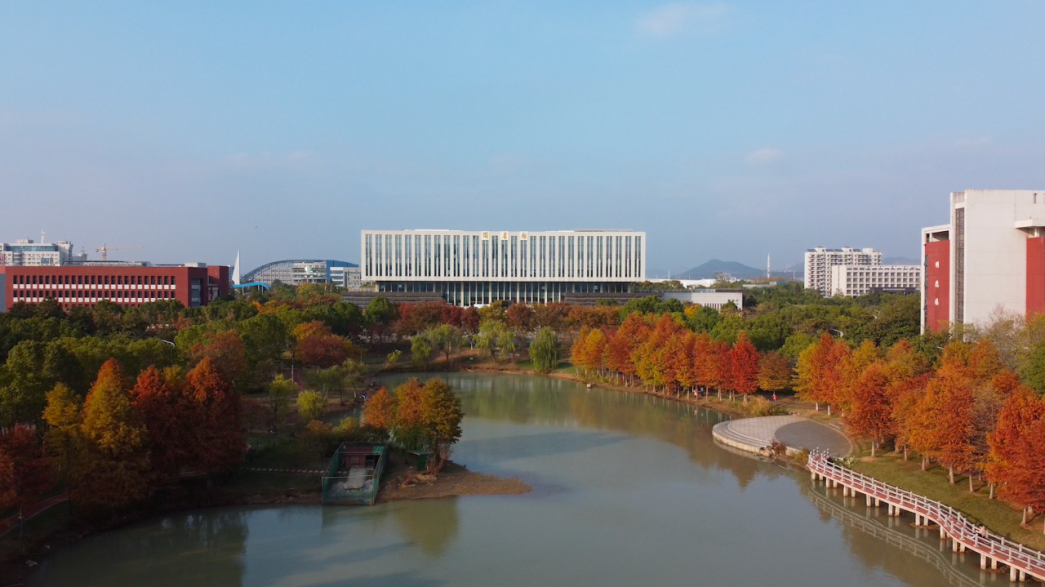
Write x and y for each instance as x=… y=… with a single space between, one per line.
x=401 y=482
x=996 y=515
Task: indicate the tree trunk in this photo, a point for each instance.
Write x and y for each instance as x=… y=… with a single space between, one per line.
x=991 y=485
x=924 y=462
x=905 y=452
x=873 y=446
x=950 y=474
x=828 y=409
x=817 y=406
x=1024 y=516
x=971 y=490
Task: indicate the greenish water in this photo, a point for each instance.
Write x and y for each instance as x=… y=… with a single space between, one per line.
x=628 y=490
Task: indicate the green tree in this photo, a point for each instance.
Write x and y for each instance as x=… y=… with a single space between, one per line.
x=447 y=339
x=279 y=393
x=544 y=351
x=1034 y=370
x=311 y=405
x=421 y=349
x=23 y=387
x=380 y=314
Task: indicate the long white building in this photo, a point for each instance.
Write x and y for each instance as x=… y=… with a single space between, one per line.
x=820 y=260
x=480 y=267
x=856 y=280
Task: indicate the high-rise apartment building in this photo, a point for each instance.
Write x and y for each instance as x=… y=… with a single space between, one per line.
x=820 y=260
x=480 y=267
x=989 y=257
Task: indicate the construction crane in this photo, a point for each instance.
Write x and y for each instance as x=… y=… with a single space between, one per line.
x=104 y=250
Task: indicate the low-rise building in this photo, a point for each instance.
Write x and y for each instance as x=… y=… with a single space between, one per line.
x=299 y=271
x=709 y=298
x=857 y=280
x=125 y=284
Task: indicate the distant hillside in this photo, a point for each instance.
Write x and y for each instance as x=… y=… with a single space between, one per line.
x=714 y=266
x=900 y=261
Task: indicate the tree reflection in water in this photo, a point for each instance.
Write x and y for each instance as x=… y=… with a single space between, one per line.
x=431 y=525
x=199 y=549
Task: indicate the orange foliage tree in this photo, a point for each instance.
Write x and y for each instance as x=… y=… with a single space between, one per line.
x=112 y=469
x=870 y=412
x=218 y=437
x=774 y=372
x=1006 y=463
x=743 y=364
x=818 y=373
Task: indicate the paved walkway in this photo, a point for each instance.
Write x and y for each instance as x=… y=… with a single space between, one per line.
x=754 y=434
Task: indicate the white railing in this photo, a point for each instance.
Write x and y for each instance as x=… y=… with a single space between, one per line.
x=950 y=520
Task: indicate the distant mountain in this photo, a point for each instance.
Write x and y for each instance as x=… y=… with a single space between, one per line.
x=900 y=261
x=711 y=268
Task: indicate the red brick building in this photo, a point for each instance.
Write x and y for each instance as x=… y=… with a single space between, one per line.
x=126 y=285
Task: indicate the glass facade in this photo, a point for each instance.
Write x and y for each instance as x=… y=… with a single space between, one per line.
x=470 y=267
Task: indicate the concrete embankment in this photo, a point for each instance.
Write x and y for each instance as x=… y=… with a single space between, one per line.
x=796 y=433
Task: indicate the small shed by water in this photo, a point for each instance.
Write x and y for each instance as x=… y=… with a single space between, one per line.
x=354 y=474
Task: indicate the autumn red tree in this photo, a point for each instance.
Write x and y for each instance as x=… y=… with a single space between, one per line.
x=705 y=365
x=622 y=345
x=219 y=440
x=317 y=347
x=774 y=372
x=1022 y=410
x=1028 y=469
x=520 y=318
x=25 y=474
x=743 y=364
x=869 y=412
x=170 y=417
x=227 y=351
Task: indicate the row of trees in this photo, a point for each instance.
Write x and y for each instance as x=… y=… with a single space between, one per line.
x=122 y=440
x=662 y=354
x=969 y=413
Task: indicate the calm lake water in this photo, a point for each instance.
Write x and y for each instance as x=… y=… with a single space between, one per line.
x=628 y=490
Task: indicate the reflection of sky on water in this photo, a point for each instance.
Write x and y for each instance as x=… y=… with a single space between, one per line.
x=630 y=491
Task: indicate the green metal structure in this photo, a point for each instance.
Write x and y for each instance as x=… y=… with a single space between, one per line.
x=354 y=474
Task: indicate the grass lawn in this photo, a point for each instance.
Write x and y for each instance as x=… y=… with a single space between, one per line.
x=994 y=514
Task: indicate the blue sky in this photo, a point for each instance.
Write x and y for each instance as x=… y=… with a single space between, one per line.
x=726 y=130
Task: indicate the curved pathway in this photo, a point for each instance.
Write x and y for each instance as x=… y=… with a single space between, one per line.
x=796 y=433
x=1023 y=562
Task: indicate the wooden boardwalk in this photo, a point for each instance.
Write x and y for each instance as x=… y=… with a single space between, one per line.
x=1023 y=562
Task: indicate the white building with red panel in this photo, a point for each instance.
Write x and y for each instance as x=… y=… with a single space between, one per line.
x=989 y=257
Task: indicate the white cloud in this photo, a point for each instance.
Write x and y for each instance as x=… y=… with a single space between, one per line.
x=764 y=157
x=679 y=18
